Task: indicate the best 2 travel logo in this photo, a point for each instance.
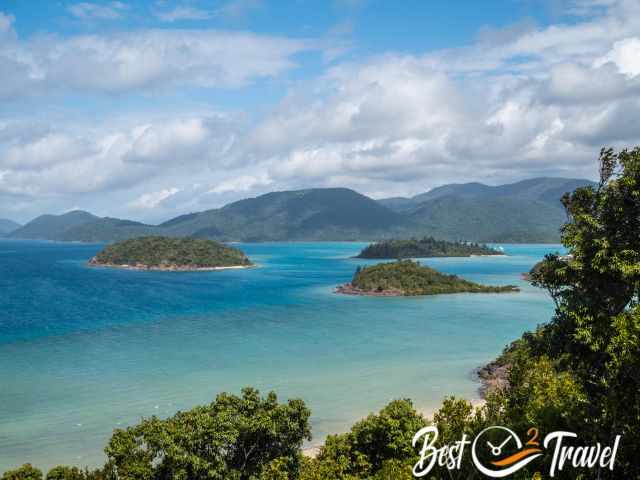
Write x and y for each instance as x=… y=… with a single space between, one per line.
x=498 y=452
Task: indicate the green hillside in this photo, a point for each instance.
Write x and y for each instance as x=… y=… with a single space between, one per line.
x=409 y=278
x=49 y=227
x=424 y=248
x=107 y=230
x=527 y=212
x=490 y=219
x=170 y=253
x=314 y=214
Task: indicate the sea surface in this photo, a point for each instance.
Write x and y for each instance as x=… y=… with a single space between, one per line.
x=86 y=350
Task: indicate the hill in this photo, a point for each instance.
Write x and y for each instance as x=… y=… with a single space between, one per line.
x=545 y=189
x=107 y=230
x=313 y=214
x=163 y=253
x=408 y=278
x=424 y=248
x=527 y=211
x=7 y=226
x=49 y=227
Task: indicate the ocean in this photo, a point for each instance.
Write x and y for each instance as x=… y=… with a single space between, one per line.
x=86 y=350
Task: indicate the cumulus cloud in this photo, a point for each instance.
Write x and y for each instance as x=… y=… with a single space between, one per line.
x=625 y=54
x=519 y=102
x=144 y=60
x=524 y=101
x=48 y=161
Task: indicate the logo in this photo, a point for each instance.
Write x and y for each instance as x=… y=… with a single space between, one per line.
x=498 y=452
x=502 y=465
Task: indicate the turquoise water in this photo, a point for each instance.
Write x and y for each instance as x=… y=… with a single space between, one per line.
x=84 y=351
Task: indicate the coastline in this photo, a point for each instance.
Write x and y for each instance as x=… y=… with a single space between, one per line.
x=493 y=376
x=168 y=268
x=349 y=289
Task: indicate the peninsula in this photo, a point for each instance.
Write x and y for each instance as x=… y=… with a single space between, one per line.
x=409 y=278
x=170 y=254
x=424 y=248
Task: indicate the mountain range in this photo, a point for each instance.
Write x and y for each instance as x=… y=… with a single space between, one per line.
x=527 y=211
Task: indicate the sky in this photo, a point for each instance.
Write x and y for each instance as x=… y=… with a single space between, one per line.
x=150 y=109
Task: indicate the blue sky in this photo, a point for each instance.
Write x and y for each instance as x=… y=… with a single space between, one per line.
x=155 y=108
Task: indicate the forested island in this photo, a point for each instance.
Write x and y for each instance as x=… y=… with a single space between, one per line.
x=170 y=254
x=424 y=248
x=409 y=278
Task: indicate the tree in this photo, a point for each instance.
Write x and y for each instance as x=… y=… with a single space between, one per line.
x=378 y=444
x=232 y=438
x=62 y=472
x=595 y=332
x=25 y=472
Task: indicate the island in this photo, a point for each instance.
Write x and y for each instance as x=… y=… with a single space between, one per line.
x=409 y=278
x=425 y=248
x=170 y=254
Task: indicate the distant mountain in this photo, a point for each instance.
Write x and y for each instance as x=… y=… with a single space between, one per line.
x=527 y=211
x=49 y=227
x=548 y=189
x=7 y=226
x=313 y=214
x=106 y=230
x=82 y=226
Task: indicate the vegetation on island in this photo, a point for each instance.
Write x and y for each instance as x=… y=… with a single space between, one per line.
x=406 y=277
x=578 y=373
x=171 y=254
x=424 y=248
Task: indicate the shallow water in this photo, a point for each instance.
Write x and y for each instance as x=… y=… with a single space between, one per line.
x=84 y=350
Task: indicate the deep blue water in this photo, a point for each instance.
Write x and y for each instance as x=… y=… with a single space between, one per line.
x=85 y=350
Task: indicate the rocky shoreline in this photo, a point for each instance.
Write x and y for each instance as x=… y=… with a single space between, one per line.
x=493 y=376
x=349 y=289
x=165 y=268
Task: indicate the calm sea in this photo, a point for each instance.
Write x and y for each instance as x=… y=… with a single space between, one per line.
x=84 y=351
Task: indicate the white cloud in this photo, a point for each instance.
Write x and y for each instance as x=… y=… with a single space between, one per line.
x=495 y=110
x=520 y=102
x=144 y=60
x=625 y=54
x=153 y=199
x=243 y=183
x=89 y=11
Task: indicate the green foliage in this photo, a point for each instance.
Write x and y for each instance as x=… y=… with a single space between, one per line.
x=375 y=447
x=423 y=248
x=65 y=473
x=410 y=278
x=168 y=252
x=232 y=438
x=25 y=472
x=592 y=344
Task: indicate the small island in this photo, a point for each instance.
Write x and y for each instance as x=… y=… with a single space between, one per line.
x=409 y=278
x=170 y=254
x=426 y=247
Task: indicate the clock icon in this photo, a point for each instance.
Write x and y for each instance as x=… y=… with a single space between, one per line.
x=501 y=466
